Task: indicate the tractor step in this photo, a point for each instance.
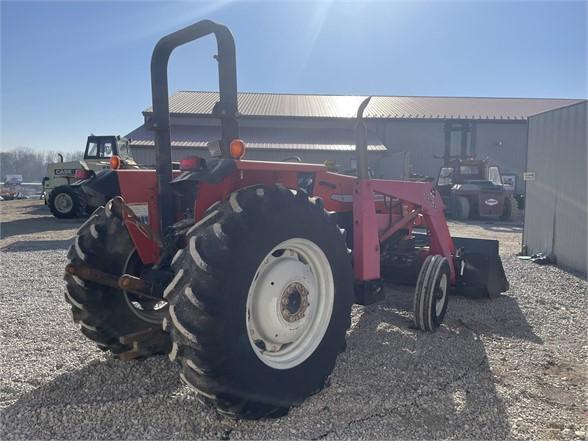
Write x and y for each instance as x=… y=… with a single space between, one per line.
x=144 y=335
x=143 y=343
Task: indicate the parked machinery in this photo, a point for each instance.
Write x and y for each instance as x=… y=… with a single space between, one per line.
x=62 y=186
x=245 y=271
x=471 y=188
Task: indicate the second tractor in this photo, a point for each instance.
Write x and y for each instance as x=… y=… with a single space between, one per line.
x=64 y=185
x=473 y=189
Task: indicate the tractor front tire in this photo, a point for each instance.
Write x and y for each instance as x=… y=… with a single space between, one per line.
x=431 y=294
x=261 y=302
x=106 y=315
x=66 y=202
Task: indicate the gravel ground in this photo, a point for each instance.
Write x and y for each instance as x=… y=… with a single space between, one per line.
x=511 y=368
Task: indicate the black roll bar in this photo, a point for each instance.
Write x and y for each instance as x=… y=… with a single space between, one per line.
x=225 y=109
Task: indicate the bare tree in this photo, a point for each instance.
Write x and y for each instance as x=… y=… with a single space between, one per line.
x=31 y=164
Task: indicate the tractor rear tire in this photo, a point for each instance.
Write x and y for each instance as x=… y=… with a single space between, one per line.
x=462 y=208
x=259 y=268
x=431 y=294
x=104 y=313
x=510 y=210
x=66 y=202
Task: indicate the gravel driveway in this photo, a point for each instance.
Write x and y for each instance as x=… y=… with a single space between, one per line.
x=511 y=368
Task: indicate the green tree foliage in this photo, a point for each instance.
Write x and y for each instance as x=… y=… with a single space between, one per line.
x=31 y=164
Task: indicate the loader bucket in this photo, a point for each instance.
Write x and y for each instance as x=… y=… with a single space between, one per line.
x=483 y=274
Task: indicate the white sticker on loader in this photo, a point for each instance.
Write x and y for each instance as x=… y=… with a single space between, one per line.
x=141 y=211
x=491 y=202
x=529 y=176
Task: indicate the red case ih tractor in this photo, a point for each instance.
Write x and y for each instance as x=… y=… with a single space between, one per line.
x=241 y=270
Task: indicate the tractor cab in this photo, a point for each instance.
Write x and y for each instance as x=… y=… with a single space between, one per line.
x=468 y=171
x=105 y=147
x=102 y=152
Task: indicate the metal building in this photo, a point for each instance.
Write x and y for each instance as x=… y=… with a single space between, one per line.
x=555 y=214
x=406 y=134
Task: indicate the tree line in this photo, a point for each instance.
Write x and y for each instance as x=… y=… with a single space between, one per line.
x=31 y=164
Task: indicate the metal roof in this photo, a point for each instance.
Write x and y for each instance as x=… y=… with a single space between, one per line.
x=200 y=104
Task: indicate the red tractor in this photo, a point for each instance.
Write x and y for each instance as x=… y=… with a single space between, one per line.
x=245 y=272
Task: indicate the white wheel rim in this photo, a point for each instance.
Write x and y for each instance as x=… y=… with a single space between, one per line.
x=63 y=203
x=290 y=303
x=441 y=295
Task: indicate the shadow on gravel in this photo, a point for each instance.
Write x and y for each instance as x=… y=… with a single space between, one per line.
x=433 y=388
x=502 y=228
x=36 y=225
x=83 y=402
x=499 y=317
x=490 y=225
x=392 y=382
x=514 y=226
x=429 y=385
x=36 y=208
x=37 y=245
x=575 y=274
x=103 y=381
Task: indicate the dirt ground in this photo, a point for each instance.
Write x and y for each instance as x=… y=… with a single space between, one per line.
x=512 y=368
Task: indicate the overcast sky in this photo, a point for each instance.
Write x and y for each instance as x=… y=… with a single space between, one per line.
x=74 y=67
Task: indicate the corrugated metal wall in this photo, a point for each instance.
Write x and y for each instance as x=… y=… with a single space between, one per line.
x=503 y=143
x=556 y=201
x=423 y=141
x=146 y=156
